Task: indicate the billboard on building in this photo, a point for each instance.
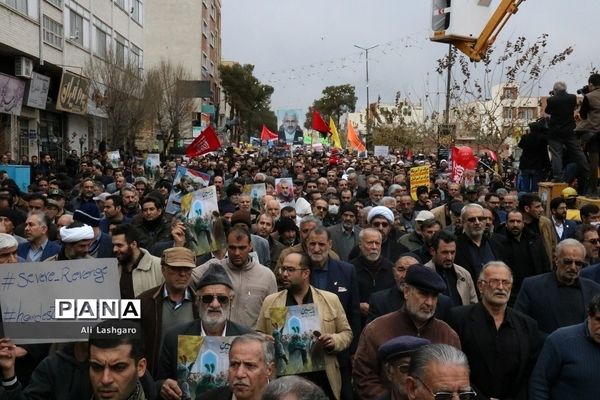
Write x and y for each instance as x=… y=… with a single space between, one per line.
x=38 y=91
x=12 y=91
x=73 y=93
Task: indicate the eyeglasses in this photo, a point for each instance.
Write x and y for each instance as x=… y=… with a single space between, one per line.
x=209 y=298
x=378 y=224
x=568 y=261
x=592 y=241
x=289 y=270
x=474 y=219
x=441 y=395
x=494 y=283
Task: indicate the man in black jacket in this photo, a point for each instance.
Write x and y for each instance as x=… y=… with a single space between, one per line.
x=561 y=108
x=501 y=344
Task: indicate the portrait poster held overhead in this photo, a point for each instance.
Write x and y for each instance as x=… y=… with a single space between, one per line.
x=152 y=164
x=419 y=176
x=202 y=363
x=296 y=330
x=290 y=123
x=186 y=181
x=200 y=213
x=28 y=292
x=256 y=191
x=284 y=191
x=114 y=157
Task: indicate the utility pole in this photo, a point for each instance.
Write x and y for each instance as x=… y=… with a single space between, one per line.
x=448 y=83
x=366 y=50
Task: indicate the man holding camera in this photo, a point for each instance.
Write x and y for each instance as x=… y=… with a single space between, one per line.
x=561 y=108
x=589 y=127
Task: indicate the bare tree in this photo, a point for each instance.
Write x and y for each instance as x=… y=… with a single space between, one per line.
x=170 y=111
x=120 y=84
x=493 y=100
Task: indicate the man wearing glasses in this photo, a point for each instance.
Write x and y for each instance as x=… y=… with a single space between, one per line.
x=439 y=372
x=556 y=299
x=215 y=293
x=501 y=344
x=382 y=219
x=588 y=236
x=335 y=333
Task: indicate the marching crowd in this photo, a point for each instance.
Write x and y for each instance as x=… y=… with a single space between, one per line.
x=470 y=291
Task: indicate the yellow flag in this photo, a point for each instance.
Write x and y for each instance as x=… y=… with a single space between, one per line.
x=335 y=137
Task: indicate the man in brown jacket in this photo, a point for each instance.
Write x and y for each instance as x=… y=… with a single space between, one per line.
x=415 y=318
x=172 y=303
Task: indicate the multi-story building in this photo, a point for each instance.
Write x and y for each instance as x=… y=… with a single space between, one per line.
x=187 y=32
x=46 y=42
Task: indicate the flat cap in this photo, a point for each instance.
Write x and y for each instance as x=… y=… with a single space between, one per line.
x=215 y=275
x=179 y=257
x=424 y=215
x=425 y=279
x=400 y=346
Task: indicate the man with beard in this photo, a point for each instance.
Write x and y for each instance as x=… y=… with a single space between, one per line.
x=520 y=249
x=260 y=245
x=501 y=344
x=416 y=318
x=170 y=304
x=215 y=293
x=373 y=272
x=588 y=236
x=563 y=228
x=86 y=194
x=344 y=235
x=76 y=240
x=336 y=335
x=558 y=298
x=113 y=213
x=139 y=270
x=131 y=201
x=152 y=223
x=459 y=284
x=252 y=280
x=290 y=132
x=531 y=207
x=382 y=219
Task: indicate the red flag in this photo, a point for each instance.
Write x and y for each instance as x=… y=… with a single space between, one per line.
x=266 y=134
x=206 y=142
x=318 y=124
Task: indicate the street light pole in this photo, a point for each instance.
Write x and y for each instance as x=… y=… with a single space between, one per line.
x=366 y=50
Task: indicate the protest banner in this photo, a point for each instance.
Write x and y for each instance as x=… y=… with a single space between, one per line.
x=296 y=330
x=381 y=151
x=419 y=176
x=186 y=181
x=114 y=158
x=256 y=191
x=202 y=363
x=28 y=292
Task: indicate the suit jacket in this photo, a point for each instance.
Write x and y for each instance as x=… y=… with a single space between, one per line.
x=561 y=109
x=389 y=300
x=464 y=259
x=343 y=244
x=468 y=320
x=539 y=298
x=569 y=229
x=591 y=272
x=332 y=320
x=51 y=249
x=152 y=306
x=167 y=365
x=105 y=247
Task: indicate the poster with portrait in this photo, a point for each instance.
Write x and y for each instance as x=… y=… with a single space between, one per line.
x=152 y=164
x=12 y=91
x=186 y=181
x=200 y=213
x=256 y=191
x=295 y=331
x=114 y=158
x=284 y=191
x=290 y=123
x=202 y=363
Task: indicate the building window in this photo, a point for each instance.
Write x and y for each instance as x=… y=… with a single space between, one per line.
x=53 y=32
x=120 y=50
x=76 y=28
x=57 y=3
x=137 y=11
x=122 y=4
x=136 y=56
x=19 y=5
x=100 y=49
x=526 y=114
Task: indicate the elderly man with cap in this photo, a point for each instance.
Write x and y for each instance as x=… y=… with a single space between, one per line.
x=76 y=239
x=8 y=250
x=170 y=304
x=215 y=293
x=416 y=318
x=382 y=219
x=344 y=235
x=395 y=356
x=101 y=246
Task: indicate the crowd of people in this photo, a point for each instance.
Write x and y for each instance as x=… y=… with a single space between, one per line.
x=470 y=290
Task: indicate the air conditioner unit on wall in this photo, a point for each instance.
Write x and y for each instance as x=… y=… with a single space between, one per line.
x=23 y=67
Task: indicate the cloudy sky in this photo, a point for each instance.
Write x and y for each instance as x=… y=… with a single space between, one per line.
x=301 y=46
